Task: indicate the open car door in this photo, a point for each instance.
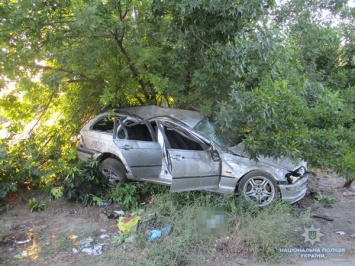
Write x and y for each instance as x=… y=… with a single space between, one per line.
x=193 y=166
x=138 y=145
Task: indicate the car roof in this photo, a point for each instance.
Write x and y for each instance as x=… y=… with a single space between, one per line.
x=191 y=118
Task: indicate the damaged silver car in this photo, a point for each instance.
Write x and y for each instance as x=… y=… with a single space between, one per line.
x=183 y=150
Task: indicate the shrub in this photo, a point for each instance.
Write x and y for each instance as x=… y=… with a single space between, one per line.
x=83 y=183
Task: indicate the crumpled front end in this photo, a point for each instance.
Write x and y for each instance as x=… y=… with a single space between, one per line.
x=296 y=186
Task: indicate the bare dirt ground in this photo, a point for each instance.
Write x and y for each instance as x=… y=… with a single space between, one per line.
x=51 y=236
x=335 y=221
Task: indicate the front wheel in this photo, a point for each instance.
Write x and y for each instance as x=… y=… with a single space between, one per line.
x=113 y=171
x=259 y=187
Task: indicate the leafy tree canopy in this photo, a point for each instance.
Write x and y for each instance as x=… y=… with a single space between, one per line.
x=283 y=73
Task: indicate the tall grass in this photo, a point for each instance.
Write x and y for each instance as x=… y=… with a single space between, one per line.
x=250 y=231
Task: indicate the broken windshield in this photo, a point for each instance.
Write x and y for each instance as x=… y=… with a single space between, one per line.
x=208 y=130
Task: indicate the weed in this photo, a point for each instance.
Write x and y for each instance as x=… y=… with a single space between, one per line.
x=262 y=232
x=130 y=195
x=319 y=197
x=83 y=183
x=36 y=206
x=56 y=193
x=151 y=189
x=126 y=196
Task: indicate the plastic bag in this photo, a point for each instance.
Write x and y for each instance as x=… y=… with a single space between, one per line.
x=127 y=225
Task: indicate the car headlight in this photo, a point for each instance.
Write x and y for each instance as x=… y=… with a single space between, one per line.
x=293 y=176
x=301 y=171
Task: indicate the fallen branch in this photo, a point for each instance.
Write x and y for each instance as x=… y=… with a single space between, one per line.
x=323 y=217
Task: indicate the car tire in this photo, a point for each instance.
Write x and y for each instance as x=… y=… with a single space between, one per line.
x=259 y=187
x=113 y=171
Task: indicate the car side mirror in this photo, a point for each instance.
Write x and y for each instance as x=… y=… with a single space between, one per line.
x=215 y=156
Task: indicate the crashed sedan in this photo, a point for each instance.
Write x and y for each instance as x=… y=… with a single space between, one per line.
x=183 y=150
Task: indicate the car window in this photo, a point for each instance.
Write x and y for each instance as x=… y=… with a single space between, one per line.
x=211 y=132
x=132 y=130
x=104 y=125
x=179 y=140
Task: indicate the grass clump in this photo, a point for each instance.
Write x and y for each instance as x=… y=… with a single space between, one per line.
x=249 y=230
x=261 y=232
x=130 y=195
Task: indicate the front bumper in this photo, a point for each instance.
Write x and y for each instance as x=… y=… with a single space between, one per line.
x=296 y=191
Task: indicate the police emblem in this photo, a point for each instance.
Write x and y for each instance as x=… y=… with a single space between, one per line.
x=312 y=235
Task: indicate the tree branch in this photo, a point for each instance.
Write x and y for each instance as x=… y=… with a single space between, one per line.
x=119 y=42
x=43 y=112
x=198 y=38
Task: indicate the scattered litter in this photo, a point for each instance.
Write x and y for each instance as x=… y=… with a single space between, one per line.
x=13 y=196
x=87 y=246
x=114 y=214
x=120 y=212
x=73 y=237
x=109 y=215
x=156 y=234
x=94 y=251
x=22 y=255
x=23 y=242
x=341 y=233
x=127 y=225
x=105 y=203
x=97 y=249
x=104 y=236
x=75 y=250
x=349 y=193
x=85 y=243
x=152 y=227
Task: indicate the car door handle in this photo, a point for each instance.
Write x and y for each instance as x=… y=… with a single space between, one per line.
x=178 y=157
x=126 y=147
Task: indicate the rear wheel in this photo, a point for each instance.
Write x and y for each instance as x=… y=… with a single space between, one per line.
x=113 y=171
x=259 y=187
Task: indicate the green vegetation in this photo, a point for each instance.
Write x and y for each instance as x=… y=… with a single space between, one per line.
x=249 y=231
x=320 y=197
x=282 y=74
x=84 y=184
x=131 y=195
x=127 y=196
x=295 y=97
x=36 y=206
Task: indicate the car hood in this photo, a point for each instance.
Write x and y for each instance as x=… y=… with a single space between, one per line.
x=285 y=163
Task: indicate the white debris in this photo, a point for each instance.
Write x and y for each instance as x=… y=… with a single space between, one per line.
x=75 y=250
x=104 y=236
x=120 y=212
x=341 y=233
x=23 y=242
